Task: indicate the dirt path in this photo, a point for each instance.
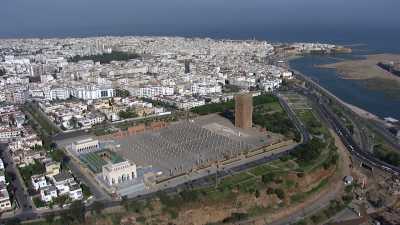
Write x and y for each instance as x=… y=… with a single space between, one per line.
x=319 y=200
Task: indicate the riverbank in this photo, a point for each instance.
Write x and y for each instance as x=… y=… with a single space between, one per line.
x=359 y=111
x=375 y=95
x=369 y=73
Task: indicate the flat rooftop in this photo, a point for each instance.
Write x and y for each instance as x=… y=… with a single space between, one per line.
x=84 y=141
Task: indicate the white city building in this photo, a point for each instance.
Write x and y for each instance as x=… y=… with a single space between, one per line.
x=90 y=120
x=91 y=92
x=58 y=93
x=5 y=203
x=38 y=182
x=85 y=146
x=151 y=91
x=47 y=194
x=2 y=176
x=75 y=192
x=63 y=181
x=202 y=89
x=119 y=172
x=7 y=133
x=270 y=85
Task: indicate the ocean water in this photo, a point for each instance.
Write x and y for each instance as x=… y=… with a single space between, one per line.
x=351 y=91
x=373 y=26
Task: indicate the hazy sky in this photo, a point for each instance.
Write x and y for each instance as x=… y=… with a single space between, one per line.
x=83 y=17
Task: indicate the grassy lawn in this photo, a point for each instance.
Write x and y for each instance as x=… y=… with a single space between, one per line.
x=235 y=179
x=263 y=169
x=28 y=171
x=38 y=202
x=258 y=210
x=249 y=186
x=315 y=164
x=276 y=166
x=270 y=107
x=299 y=197
x=278 y=178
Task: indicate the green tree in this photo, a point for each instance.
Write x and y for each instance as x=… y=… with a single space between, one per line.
x=97 y=207
x=257 y=193
x=301 y=222
x=106 y=57
x=125 y=202
x=128 y=113
x=73 y=122
x=122 y=93
x=86 y=191
x=58 y=155
x=61 y=200
x=189 y=196
x=13 y=221
x=77 y=211
x=268 y=178
x=280 y=193
x=74 y=215
x=50 y=218
x=309 y=151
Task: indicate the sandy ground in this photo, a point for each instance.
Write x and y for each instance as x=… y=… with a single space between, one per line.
x=361 y=112
x=366 y=70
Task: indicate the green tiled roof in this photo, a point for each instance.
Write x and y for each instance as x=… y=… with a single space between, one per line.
x=95 y=162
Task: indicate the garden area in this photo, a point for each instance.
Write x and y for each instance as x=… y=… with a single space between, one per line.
x=267 y=113
x=261 y=190
x=265 y=189
x=28 y=171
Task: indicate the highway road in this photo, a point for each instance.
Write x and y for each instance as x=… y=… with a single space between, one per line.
x=196 y=183
x=83 y=177
x=299 y=125
x=374 y=124
x=382 y=130
x=346 y=137
x=205 y=181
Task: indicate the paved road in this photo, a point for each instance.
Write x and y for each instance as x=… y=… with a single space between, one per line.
x=352 y=146
x=344 y=134
x=78 y=171
x=203 y=181
x=199 y=180
x=382 y=130
x=319 y=202
x=347 y=139
x=194 y=181
x=96 y=190
x=73 y=134
x=292 y=115
x=26 y=206
x=375 y=124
